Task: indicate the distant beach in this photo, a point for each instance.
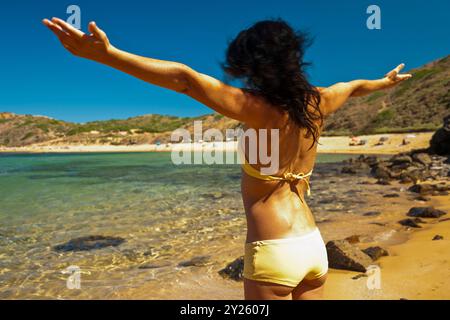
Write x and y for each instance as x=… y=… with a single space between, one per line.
x=393 y=143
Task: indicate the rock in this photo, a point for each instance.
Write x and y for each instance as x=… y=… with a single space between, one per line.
x=422 y=158
x=361 y=275
x=198 y=261
x=440 y=141
x=413 y=223
x=348 y=170
x=380 y=172
x=400 y=159
x=372 y=213
x=409 y=176
x=375 y=252
x=130 y=254
x=383 y=182
x=343 y=255
x=398 y=168
x=438 y=237
x=391 y=195
x=425 y=212
x=372 y=160
x=353 y=239
x=423 y=189
x=234 y=270
x=422 y=198
x=153 y=265
x=213 y=195
x=89 y=243
x=378 y=224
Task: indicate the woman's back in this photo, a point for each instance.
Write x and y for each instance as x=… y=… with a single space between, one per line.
x=278 y=209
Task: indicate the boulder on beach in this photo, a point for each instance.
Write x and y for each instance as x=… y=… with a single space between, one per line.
x=425 y=212
x=429 y=189
x=343 y=255
x=234 y=270
x=376 y=252
x=440 y=142
x=438 y=237
x=89 y=243
x=423 y=189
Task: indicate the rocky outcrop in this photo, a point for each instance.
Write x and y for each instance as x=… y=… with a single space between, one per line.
x=414 y=167
x=440 y=142
x=234 y=270
x=89 y=243
x=343 y=255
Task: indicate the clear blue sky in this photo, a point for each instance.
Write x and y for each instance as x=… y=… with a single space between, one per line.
x=37 y=76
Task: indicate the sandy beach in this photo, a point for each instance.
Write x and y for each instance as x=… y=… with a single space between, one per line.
x=392 y=145
x=418 y=268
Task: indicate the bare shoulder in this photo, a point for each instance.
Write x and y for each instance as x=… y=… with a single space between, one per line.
x=333 y=97
x=263 y=111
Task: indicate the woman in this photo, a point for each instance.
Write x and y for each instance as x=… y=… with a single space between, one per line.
x=285 y=256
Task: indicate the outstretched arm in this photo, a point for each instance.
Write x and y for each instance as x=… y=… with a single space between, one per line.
x=336 y=95
x=228 y=100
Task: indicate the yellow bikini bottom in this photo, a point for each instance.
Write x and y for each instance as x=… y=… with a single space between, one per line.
x=286 y=261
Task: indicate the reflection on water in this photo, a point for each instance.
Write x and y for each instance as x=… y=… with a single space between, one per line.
x=166 y=214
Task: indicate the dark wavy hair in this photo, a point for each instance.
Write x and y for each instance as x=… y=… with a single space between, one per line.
x=268 y=56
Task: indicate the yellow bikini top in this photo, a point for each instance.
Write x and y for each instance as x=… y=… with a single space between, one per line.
x=290 y=177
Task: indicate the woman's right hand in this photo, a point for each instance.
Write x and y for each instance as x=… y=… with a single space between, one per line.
x=94 y=46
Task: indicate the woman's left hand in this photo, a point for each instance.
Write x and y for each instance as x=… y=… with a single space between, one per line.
x=394 y=77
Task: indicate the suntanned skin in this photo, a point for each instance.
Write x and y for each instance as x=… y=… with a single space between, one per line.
x=274 y=210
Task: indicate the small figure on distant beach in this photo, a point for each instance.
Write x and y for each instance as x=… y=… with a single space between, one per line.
x=285 y=256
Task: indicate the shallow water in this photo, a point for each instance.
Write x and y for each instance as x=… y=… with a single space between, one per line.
x=166 y=214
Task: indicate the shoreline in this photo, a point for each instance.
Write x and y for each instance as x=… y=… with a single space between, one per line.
x=327 y=145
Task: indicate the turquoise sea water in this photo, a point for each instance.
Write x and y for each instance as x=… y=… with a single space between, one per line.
x=163 y=211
